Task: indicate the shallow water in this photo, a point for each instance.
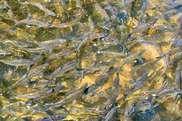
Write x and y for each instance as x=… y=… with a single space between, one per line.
x=96 y=49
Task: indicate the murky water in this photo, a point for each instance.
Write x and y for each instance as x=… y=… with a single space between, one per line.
x=105 y=60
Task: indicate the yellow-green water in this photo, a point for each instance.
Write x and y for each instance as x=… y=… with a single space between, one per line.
x=102 y=36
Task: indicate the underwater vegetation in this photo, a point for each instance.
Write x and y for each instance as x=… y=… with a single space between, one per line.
x=91 y=60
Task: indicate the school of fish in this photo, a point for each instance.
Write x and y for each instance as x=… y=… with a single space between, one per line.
x=91 y=60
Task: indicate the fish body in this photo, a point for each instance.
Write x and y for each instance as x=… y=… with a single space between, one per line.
x=178 y=28
x=141 y=28
x=88 y=36
x=109 y=104
x=19 y=62
x=177 y=43
x=138 y=84
x=64 y=68
x=64 y=52
x=73 y=96
x=178 y=77
x=101 y=11
x=100 y=81
x=45 y=46
x=30 y=21
x=110 y=114
x=31 y=73
x=51 y=118
x=80 y=6
x=128 y=111
x=43 y=93
x=67 y=24
x=129 y=58
x=41 y=7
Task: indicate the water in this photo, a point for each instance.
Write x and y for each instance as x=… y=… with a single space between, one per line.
x=114 y=43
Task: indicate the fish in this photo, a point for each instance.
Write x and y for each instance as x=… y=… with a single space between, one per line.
x=140 y=28
x=177 y=98
x=163 y=18
x=113 y=10
x=75 y=94
x=115 y=86
x=100 y=81
x=146 y=110
x=178 y=76
x=112 y=53
x=165 y=92
x=166 y=64
x=110 y=103
x=45 y=46
x=43 y=93
x=41 y=7
x=62 y=53
x=67 y=24
x=110 y=114
x=129 y=58
x=177 y=43
x=143 y=11
x=19 y=62
x=128 y=111
x=87 y=37
x=62 y=69
x=137 y=85
x=30 y=21
x=101 y=11
x=80 y=6
x=4 y=52
x=53 y=42
x=31 y=73
x=176 y=57
x=51 y=118
x=178 y=28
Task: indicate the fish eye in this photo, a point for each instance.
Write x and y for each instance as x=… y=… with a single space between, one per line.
x=45 y=117
x=52 y=90
x=58 y=116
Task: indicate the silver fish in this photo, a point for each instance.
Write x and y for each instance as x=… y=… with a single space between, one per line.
x=178 y=56
x=41 y=7
x=141 y=28
x=31 y=73
x=80 y=6
x=19 y=62
x=62 y=69
x=166 y=64
x=45 y=46
x=115 y=87
x=162 y=17
x=178 y=28
x=109 y=104
x=88 y=36
x=137 y=85
x=128 y=111
x=101 y=11
x=30 y=21
x=67 y=24
x=178 y=76
x=76 y=94
x=129 y=58
x=110 y=114
x=62 y=53
x=177 y=43
x=51 y=118
x=100 y=81
x=3 y=52
x=43 y=93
